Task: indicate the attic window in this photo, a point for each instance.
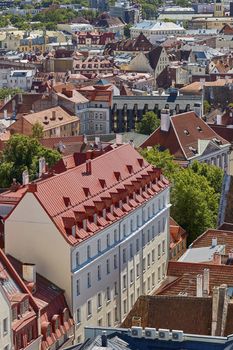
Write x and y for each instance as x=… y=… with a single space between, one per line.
x=117 y=175
x=86 y=191
x=102 y=183
x=140 y=161
x=219 y=142
x=130 y=168
x=67 y=201
x=194 y=150
x=186 y=132
x=199 y=128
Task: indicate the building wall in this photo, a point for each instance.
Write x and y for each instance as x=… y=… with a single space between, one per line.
x=32 y=238
x=129 y=264
x=5 y=314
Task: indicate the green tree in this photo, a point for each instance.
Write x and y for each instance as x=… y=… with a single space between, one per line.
x=206 y=107
x=23 y=153
x=127 y=30
x=148 y=124
x=37 y=131
x=194 y=203
x=5 y=92
x=212 y=173
x=161 y=159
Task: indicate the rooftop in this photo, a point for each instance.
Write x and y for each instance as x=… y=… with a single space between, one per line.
x=75 y=199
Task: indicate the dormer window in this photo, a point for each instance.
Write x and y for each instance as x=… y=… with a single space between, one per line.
x=186 y=132
x=199 y=128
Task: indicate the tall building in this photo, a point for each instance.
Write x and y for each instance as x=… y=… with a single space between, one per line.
x=218 y=8
x=99 y=231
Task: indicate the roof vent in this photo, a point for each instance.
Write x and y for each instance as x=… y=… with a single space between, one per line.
x=130 y=168
x=86 y=191
x=117 y=175
x=67 y=201
x=186 y=132
x=102 y=183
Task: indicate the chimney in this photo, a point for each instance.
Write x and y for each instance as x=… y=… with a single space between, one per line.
x=5 y=114
x=219 y=310
x=42 y=166
x=29 y=272
x=214 y=242
x=219 y=119
x=197 y=108
x=217 y=260
x=104 y=340
x=206 y=282
x=230 y=254
x=199 y=286
x=25 y=178
x=88 y=167
x=119 y=139
x=165 y=120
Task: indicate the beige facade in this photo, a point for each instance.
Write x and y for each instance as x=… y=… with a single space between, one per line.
x=39 y=242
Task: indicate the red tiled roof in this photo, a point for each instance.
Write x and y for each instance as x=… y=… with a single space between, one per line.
x=81 y=185
x=186 y=276
x=223 y=238
x=185 y=131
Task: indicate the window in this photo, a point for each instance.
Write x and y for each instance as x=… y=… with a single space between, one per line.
x=99 y=272
x=148 y=236
x=108 y=294
x=115 y=261
x=124 y=256
x=144 y=264
x=77 y=259
x=163 y=270
x=159 y=251
x=99 y=245
x=164 y=223
x=143 y=239
x=77 y=287
x=88 y=252
x=108 y=240
x=159 y=274
x=99 y=300
x=159 y=204
x=131 y=250
x=89 y=308
x=137 y=270
x=131 y=276
x=124 y=282
x=107 y=266
x=14 y=313
x=116 y=314
x=153 y=232
x=138 y=221
x=22 y=308
x=138 y=292
x=5 y=326
x=125 y=306
x=159 y=228
x=153 y=208
x=148 y=284
x=88 y=280
x=148 y=260
x=115 y=236
x=131 y=225
x=137 y=245
x=124 y=230
x=163 y=247
x=109 y=319
x=115 y=289
x=131 y=300
x=153 y=279
x=153 y=256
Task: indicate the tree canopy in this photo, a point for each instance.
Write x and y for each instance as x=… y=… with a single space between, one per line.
x=195 y=191
x=23 y=153
x=5 y=92
x=148 y=124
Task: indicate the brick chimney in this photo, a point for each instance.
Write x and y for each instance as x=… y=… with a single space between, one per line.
x=88 y=167
x=219 y=310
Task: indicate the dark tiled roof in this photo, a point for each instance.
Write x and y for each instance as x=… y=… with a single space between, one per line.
x=190 y=314
x=154 y=55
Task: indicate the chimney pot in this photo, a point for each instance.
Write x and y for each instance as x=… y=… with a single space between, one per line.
x=104 y=340
x=214 y=242
x=199 y=285
x=29 y=272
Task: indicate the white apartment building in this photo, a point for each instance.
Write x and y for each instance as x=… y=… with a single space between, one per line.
x=21 y=79
x=100 y=231
x=5 y=321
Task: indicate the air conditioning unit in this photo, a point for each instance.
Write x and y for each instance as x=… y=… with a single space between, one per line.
x=177 y=335
x=150 y=333
x=136 y=332
x=163 y=334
